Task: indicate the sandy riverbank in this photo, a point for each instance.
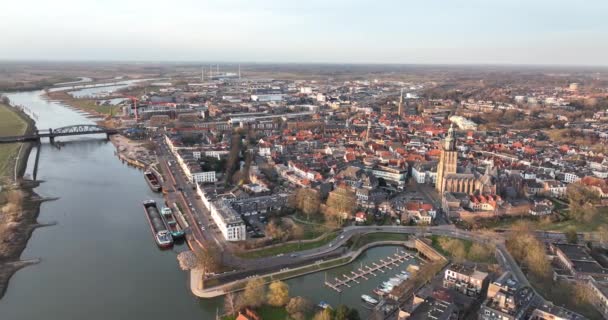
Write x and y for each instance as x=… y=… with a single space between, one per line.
x=18 y=219
x=19 y=209
x=137 y=153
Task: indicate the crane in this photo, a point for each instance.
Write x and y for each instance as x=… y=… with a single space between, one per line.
x=134 y=100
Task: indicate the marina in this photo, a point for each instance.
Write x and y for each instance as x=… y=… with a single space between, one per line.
x=368 y=271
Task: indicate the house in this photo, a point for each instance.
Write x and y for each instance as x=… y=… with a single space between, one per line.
x=577 y=260
x=506 y=299
x=599 y=297
x=465 y=279
x=425 y=172
x=248 y=314
x=540 y=209
x=419 y=212
x=548 y=311
x=360 y=217
x=554 y=188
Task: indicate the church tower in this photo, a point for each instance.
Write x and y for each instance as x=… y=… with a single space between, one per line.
x=448 y=160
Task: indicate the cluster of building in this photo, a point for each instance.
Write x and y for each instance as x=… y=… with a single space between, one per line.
x=375 y=137
x=463 y=292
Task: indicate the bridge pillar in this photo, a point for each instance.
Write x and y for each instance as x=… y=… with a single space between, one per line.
x=38 y=147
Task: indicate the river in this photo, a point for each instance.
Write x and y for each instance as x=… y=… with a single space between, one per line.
x=99 y=261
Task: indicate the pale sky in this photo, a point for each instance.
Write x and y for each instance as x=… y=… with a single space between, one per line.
x=334 y=31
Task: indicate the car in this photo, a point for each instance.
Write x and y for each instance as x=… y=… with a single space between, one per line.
x=293 y=255
x=280 y=255
x=330 y=245
x=342 y=237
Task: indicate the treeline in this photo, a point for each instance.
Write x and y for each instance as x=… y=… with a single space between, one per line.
x=341 y=203
x=276 y=294
x=33 y=85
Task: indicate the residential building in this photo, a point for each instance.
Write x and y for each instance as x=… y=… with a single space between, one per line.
x=465 y=279
x=506 y=299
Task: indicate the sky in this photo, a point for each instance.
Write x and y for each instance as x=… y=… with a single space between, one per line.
x=552 y=32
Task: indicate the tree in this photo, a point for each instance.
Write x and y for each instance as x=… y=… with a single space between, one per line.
x=209 y=259
x=341 y=203
x=571 y=235
x=341 y=313
x=528 y=250
x=255 y=293
x=233 y=156
x=454 y=247
x=278 y=294
x=308 y=201
x=582 y=201
x=298 y=308
x=480 y=253
x=602 y=232
x=325 y=314
x=353 y=314
x=276 y=230
x=231 y=303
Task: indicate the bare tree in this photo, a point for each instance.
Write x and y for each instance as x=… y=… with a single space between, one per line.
x=231 y=303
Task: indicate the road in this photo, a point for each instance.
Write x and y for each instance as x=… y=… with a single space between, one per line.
x=265 y=265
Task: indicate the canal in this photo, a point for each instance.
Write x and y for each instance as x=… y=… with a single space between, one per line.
x=99 y=261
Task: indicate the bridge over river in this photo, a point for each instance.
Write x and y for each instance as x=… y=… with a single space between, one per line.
x=74 y=130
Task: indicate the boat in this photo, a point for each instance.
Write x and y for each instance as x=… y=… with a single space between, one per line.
x=174 y=228
x=152 y=181
x=369 y=299
x=379 y=292
x=324 y=305
x=158 y=226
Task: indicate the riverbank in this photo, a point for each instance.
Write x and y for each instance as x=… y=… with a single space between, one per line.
x=135 y=153
x=19 y=204
x=13 y=156
x=19 y=208
x=86 y=106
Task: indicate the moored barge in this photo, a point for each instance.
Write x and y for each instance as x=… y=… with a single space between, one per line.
x=162 y=234
x=152 y=181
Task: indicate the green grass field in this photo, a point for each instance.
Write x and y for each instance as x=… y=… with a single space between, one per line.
x=10 y=124
x=368 y=238
x=467 y=244
x=601 y=219
x=287 y=248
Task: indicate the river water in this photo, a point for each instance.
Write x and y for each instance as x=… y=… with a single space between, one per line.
x=99 y=261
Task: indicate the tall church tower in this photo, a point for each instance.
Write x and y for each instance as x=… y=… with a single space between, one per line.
x=448 y=160
x=400 y=110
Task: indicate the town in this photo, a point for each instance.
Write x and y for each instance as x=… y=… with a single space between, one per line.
x=500 y=190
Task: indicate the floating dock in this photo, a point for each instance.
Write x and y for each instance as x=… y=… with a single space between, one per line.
x=365 y=272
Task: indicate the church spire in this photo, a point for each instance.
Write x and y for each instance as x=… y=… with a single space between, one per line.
x=450 y=140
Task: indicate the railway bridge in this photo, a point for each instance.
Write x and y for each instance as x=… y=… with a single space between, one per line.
x=74 y=130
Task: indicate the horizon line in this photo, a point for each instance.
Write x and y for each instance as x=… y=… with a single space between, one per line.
x=243 y=62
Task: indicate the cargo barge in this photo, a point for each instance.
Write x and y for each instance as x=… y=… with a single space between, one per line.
x=174 y=228
x=152 y=181
x=159 y=228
